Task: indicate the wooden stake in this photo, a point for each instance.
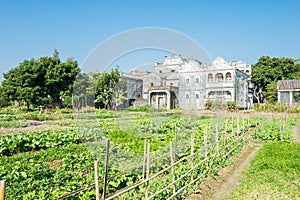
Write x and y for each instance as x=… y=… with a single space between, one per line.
x=217 y=137
x=232 y=126
x=225 y=129
x=192 y=156
x=173 y=168
x=106 y=169
x=145 y=158
x=205 y=145
x=148 y=172
x=96 y=179
x=238 y=127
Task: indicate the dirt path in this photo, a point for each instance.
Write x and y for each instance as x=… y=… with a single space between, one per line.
x=38 y=126
x=228 y=178
x=234 y=178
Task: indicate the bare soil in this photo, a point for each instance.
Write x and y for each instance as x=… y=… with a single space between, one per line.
x=34 y=127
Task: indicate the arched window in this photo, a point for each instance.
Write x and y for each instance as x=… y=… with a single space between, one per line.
x=247 y=71
x=219 y=77
x=228 y=76
x=228 y=93
x=210 y=77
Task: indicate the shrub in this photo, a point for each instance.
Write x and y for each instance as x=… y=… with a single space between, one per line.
x=231 y=106
x=276 y=107
x=145 y=108
x=208 y=104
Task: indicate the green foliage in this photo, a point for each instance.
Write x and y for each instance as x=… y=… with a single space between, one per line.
x=219 y=105
x=209 y=104
x=24 y=142
x=277 y=107
x=110 y=90
x=273 y=173
x=39 y=81
x=15 y=124
x=48 y=174
x=296 y=95
x=62 y=166
x=145 y=108
x=272 y=128
x=271 y=93
x=231 y=106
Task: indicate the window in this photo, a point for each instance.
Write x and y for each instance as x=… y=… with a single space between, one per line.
x=197 y=80
x=197 y=95
x=228 y=76
x=210 y=77
x=219 y=77
x=171 y=83
x=160 y=71
x=187 y=95
x=187 y=80
x=151 y=84
x=172 y=70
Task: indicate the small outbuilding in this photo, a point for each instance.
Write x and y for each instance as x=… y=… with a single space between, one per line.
x=289 y=92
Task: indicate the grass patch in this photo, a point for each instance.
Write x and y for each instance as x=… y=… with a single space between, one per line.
x=273 y=173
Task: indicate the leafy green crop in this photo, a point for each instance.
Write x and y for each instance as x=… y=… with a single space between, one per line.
x=275 y=130
x=12 y=144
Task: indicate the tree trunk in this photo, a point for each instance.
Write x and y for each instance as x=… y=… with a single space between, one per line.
x=27 y=104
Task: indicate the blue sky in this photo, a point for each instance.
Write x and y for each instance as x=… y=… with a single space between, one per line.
x=243 y=29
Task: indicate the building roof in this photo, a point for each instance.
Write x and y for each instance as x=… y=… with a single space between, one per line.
x=288 y=84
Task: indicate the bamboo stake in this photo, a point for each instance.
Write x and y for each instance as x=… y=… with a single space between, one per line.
x=226 y=126
x=145 y=158
x=205 y=145
x=106 y=169
x=232 y=126
x=217 y=137
x=238 y=127
x=173 y=168
x=192 y=156
x=96 y=179
x=148 y=172
x=2 y=190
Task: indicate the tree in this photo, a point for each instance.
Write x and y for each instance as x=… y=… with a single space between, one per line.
x=110 y=90
x=267 y=71
x=41 y=81
x=20 y=84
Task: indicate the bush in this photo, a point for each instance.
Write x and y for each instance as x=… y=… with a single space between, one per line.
x=145 y=108
x=276 y=107
x=214 y=105
x=208 y=104
x=231 y=106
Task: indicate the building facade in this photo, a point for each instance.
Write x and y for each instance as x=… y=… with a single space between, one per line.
x=188 y=83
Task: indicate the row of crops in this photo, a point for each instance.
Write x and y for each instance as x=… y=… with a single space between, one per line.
x=49 y=164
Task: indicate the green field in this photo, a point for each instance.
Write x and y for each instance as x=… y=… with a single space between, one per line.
x=273 y=173
x=47 y=164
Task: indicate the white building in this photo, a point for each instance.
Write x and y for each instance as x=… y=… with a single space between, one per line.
x=188 y=83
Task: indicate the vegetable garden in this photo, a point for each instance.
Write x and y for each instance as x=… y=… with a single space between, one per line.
x=153 y=155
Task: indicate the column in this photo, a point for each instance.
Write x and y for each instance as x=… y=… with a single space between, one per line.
x=168 y=99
